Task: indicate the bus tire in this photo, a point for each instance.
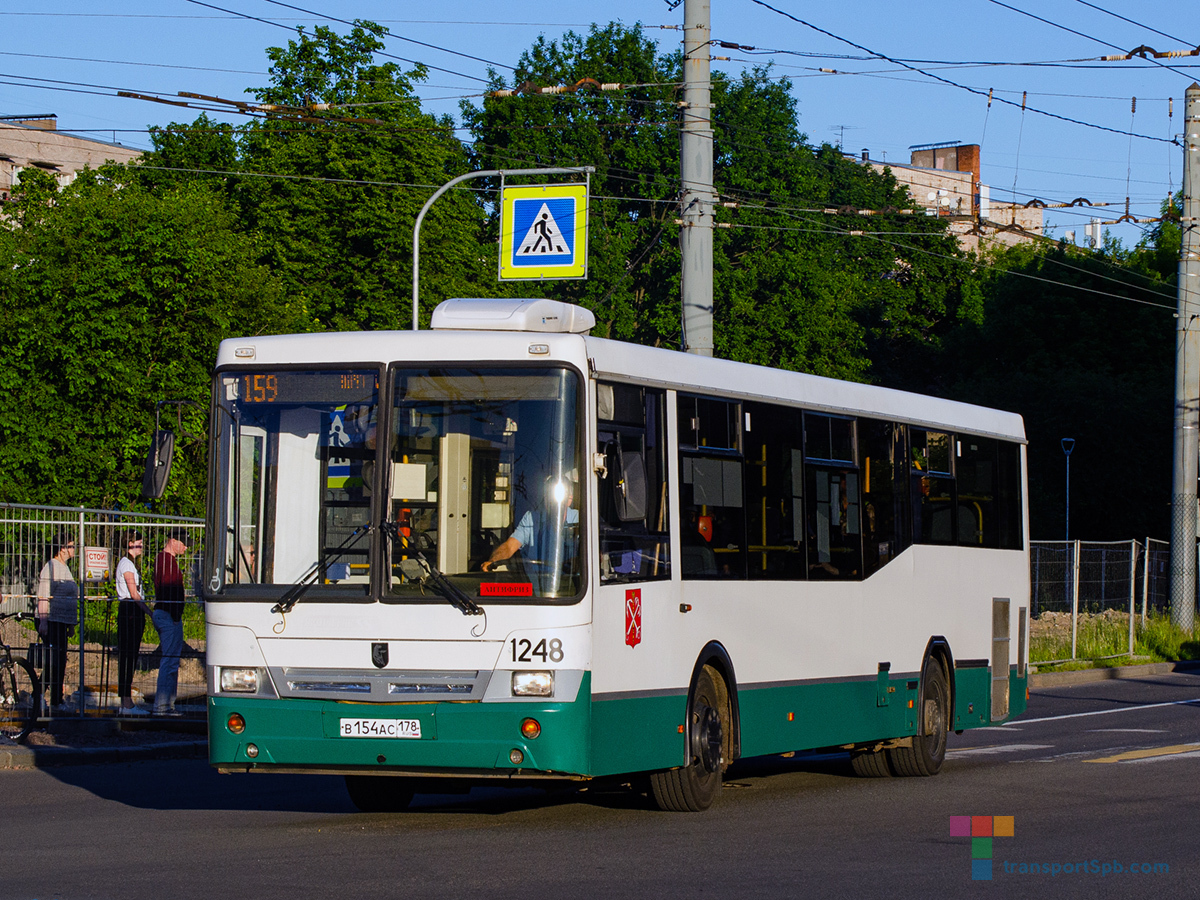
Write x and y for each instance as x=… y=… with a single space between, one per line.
x=928 y=750
x=870 y=764
x=379 y=793
x=694 y=787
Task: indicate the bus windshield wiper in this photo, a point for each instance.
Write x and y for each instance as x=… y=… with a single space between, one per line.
x=420 y=570
x=293 y=594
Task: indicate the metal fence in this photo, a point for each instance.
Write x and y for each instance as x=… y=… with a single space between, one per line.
x=26 y=536
x=1119 y=581
x=1077 y=580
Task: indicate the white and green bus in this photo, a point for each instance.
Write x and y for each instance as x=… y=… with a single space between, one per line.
x=504 y=549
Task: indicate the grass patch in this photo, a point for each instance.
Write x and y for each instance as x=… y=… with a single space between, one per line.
x=100 y=623
x=1103 y=639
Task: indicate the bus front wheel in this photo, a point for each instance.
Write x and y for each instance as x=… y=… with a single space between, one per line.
x=928 y=750
x=694 y=787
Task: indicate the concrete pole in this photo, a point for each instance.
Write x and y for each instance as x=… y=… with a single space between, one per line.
x=696 y=175
x=1187 y=380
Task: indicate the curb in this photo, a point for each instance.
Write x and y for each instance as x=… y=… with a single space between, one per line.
x=1089 y=676
x=45 y=757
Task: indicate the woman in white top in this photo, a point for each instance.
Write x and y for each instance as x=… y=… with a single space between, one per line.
x=57 y=611
x=131 y=618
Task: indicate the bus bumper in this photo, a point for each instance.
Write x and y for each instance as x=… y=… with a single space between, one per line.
x=473 y=739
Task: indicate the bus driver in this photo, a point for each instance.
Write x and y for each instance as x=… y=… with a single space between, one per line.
x=534 y=533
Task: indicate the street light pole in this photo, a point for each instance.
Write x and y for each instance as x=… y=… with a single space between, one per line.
x=1068 y=444
x=416 y=271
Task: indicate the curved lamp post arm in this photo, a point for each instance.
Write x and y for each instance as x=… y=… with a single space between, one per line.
x=563 y=170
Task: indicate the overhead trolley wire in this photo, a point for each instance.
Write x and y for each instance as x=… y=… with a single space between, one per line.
x=392 y=34
x=1109 y=12
x=964 y=87
x=1073 y=31
x=413 y=62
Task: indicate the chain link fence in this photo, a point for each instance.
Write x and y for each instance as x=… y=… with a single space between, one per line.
x=90 y=682
x=1093 y=585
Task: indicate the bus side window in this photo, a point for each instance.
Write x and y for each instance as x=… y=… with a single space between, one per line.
x=834 y=501
x=884 y=466
x=712 y=502
x=933 y=487
x=773 y=440
x=634 y=532
x=978 y=522
x=1009 y=504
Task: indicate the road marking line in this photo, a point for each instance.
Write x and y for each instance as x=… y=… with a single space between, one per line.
x=1104 y=712
x=1127 y=731
x=1146 y=754
x=999 y=748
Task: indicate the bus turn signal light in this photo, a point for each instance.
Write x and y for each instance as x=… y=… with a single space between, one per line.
x=236 y=723
x=530 y=728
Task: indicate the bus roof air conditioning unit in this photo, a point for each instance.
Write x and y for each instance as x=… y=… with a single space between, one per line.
x=462 y=314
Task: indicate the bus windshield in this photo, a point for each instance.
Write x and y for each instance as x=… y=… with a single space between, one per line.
x=296 y=452
x=483 y=481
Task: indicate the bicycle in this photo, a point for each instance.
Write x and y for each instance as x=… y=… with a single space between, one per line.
x=20 y=689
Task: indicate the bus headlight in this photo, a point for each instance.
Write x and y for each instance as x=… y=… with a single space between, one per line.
x=533 y=684
x=239 y=681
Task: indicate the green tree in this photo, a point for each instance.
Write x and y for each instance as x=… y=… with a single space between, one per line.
x=1082 y=347
x=116 y=295
x=332 y=182
x=792 y=288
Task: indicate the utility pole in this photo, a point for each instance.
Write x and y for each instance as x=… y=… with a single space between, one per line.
x=1187 y=379
x=696 y=174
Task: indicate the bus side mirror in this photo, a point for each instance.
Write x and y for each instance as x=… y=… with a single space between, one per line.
x=629 y=486
x=158 y=465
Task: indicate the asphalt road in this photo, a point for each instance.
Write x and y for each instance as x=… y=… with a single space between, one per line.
x=1098 y=772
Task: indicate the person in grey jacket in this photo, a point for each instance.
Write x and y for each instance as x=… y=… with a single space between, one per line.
x=57 y=612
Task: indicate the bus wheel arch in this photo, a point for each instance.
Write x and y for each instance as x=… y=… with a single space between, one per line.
x=711 y=736
x=939 y=648
x=927 y=750
x=715 y=656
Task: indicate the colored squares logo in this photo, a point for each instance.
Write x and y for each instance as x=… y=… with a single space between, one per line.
x=982 y=830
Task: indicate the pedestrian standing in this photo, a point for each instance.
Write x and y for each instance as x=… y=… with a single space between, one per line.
x=57 y=613
x=131 y=618
x=168 y=619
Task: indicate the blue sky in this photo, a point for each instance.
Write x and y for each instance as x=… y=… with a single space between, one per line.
x=168 y=46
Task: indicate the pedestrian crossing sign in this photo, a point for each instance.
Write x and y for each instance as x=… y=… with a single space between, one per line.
x=543 y=232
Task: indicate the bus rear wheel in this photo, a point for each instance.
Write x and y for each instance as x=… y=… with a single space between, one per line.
x=928 y=750
x=694 y=787
x=379 y=793
x=870 y=763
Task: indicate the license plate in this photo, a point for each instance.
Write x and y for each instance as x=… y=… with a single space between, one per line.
x=380 y=728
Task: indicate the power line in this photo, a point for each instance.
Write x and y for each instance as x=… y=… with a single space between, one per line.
x=1109 y=12
x=876 y=236
x=1076 y=33
x=84 y=15
x=391 y=34
x=946 y=80
x=118 y=62
x=412 y=62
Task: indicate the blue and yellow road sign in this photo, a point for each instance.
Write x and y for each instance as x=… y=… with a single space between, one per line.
x=543 y=232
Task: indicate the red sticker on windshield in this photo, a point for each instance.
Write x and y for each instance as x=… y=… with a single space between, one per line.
x=506 y=589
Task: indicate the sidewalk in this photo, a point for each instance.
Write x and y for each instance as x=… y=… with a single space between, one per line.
x=1087 y=676
x=87 y=742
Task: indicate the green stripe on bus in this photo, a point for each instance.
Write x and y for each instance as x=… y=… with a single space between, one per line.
x=454 y=735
